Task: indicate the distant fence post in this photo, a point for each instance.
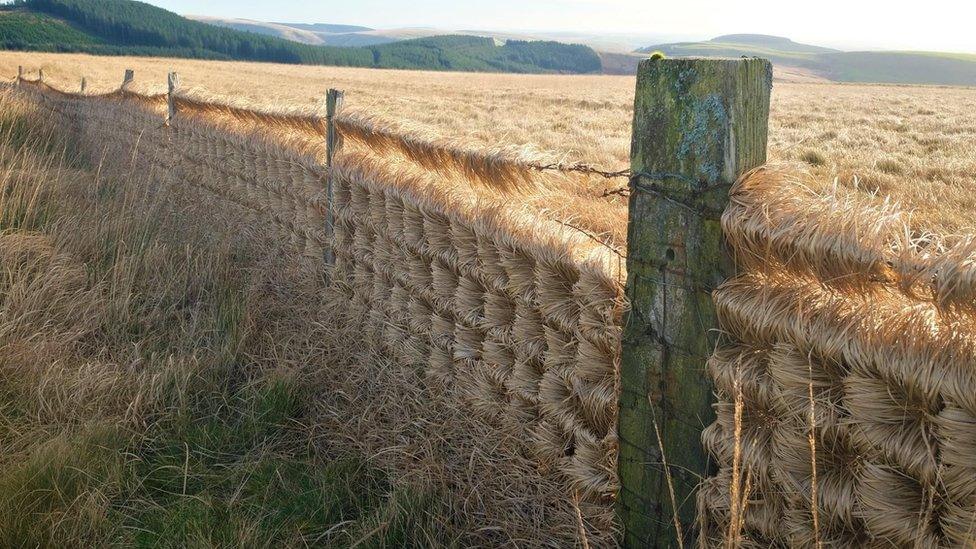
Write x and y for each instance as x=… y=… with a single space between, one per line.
x=20 y=73
x=172 y=84
x=127 y=79
x=699 y=124
x=40 y=75
x=333 y=100
x=84 y=84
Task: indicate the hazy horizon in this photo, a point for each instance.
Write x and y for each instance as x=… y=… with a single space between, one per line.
x=944 y=25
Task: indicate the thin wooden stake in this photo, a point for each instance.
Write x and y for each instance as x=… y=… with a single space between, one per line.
x=173 y=83
x=699 y=124
x=20 y=73
x=84 y=84
x=40 y=75
x=127 y=79
x=333 y=101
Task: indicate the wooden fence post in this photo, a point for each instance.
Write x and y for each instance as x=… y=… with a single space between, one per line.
x=173 y=83
x=20 y=73
x=699 y=124
x=40 y=75
x=333 y=101
x=127 y=79
x=84 y=84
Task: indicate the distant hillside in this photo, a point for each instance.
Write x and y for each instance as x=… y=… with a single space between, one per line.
x=126 y=27
x=317 y=34
x=901 y=67
x=325 y=27
x=270 y=29
x=782 y=51
x=883 y=67
x=775 y=43
x=20 y=29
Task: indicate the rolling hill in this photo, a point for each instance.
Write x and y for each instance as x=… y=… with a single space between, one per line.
x=126 y=27
x=893 y=67
x=316 y=34
x=779 y=50
x=353 y=35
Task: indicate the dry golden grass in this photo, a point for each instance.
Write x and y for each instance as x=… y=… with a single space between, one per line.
x=279 y=320
x=912 y=143
x=908 y=143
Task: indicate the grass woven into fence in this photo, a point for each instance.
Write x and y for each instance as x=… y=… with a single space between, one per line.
x=847 y=375
x=519 y=317
x=510 y=314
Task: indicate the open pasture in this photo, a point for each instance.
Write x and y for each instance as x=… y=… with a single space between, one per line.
x=911 y=143
x=454 y=264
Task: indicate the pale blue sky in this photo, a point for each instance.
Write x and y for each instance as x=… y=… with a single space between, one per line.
x=895 y=24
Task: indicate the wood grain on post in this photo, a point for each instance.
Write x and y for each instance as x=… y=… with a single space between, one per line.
x=699 y=124
x=127 y=79
x=333 y=101
x=172 y=84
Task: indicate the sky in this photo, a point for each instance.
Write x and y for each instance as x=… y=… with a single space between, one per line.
x=942 y=25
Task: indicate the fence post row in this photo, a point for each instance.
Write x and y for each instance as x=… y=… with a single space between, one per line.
x=699 y=124
x=127 y=79
x=172 y=84
x=333 y=101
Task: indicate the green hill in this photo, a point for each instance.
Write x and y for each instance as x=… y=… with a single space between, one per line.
x=894 y=67
x=779 y=50
x=126 y=27
x=19 y=29
x=902 y=67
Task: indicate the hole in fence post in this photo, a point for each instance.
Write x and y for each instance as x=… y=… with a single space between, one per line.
x=704 y=120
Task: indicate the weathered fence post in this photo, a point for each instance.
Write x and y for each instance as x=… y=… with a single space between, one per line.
x=20 y=73
x=40 y=75
x=333 y=100
x=127 y=79
x=173 y=83
x=84 y=84
x=699 y=124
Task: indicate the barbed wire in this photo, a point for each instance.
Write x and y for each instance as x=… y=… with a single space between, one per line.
x=580 y=167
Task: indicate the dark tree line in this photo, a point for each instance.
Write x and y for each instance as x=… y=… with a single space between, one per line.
x=135 y=28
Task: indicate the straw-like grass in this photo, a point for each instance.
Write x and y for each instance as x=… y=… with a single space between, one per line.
x=844 y=377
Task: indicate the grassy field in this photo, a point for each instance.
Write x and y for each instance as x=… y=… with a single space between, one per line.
x=169 y=382
x=145 y=400
x=911 y=143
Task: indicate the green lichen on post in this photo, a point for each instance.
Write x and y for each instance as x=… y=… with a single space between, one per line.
x=698 y=125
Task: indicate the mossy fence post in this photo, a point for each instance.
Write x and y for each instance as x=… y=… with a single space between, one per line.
x=333 y=101
x=699 y=124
